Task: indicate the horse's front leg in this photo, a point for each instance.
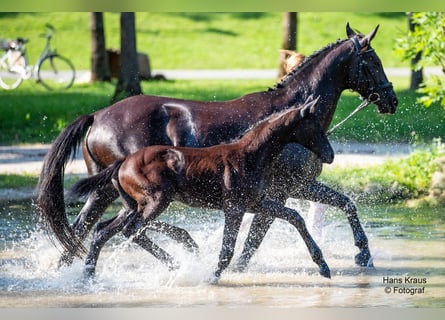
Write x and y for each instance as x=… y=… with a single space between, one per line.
x=233 y=217
x=320 y=192
x=278 y=210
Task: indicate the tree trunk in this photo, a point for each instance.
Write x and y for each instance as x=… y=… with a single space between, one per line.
x=416 y=76
x=128 y=83
x=100 y=70
x=289 y=40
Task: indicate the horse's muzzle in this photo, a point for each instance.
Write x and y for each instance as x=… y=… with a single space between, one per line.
x=388 y=104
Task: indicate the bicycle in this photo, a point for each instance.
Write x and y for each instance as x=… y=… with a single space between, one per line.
x=52 y=70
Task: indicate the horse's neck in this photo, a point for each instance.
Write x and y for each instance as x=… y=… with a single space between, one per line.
x=325 y=76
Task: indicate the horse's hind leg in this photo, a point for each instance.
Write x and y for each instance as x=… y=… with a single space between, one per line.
x=320 y=192
x=278 y=210
x=97 y=203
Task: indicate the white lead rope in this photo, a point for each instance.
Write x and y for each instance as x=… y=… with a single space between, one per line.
x=363 y=105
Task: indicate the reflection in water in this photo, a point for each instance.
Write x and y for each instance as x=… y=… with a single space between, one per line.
x=404 y=244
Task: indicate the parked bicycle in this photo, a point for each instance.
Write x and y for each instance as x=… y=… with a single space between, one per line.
x=51 y=70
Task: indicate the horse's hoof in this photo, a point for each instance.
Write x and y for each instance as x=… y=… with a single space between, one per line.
x=325 y=271
x=364 y=259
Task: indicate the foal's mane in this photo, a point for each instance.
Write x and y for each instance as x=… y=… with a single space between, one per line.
x=305 y=63
x=261 y=131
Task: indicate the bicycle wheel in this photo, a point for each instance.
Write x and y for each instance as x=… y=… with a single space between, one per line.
x=11 y=73
x=56 y=73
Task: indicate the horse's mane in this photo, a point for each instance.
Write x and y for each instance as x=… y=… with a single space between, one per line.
x=305 y=63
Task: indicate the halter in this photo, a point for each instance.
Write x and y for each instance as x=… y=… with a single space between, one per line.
x=372 y=96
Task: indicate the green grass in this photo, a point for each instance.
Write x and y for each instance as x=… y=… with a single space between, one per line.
x=205 y=40
x=393 y=181
x=16 y=181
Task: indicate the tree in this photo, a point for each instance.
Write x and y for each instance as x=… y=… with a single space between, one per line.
x=416 y=75
x=426 y=41
x=289 y=40
x=100 y=70
x=128 y=83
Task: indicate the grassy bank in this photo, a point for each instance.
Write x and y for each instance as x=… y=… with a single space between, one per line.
x=31 y=114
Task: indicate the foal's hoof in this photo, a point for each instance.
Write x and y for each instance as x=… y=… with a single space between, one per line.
x=324 y=270
x=214 y=278
x=364 y=259
x=89 y=272
x=173 y=265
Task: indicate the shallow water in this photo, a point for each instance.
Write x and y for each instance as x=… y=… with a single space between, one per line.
x=407 y=246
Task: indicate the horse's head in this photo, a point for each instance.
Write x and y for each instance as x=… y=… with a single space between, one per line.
x=310 y=133
x=367 y=76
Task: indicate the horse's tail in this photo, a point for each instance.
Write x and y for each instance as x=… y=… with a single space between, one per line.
x=87 y=185
x=50 y=193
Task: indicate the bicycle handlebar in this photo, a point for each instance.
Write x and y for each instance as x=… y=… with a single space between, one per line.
x=51 y=31
x=50 y=27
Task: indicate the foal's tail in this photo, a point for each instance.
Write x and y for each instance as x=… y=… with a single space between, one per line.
x=87 y=185
x=50 y=198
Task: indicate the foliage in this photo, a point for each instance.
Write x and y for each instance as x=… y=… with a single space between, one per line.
x=395 y=180
x=428 y=40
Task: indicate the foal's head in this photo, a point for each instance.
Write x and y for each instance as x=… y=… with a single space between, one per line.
x=309 y=133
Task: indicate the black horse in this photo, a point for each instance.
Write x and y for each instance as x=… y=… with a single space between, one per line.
x=133 y=123
x=229 y=177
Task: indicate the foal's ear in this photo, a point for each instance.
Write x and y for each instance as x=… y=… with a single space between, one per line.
x=309 y=106
x=174 y=160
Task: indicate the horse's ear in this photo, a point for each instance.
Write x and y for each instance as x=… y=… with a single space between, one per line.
x=349 y=32
x=366 y=41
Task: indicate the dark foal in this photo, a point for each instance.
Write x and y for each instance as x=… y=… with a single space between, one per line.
x=230 y=177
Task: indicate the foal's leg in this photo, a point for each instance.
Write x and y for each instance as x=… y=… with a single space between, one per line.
x=153 y=205
x=102 y=234
x=320 y=192
x=135 y=227
x=176 y=233
x=278 y=210
x=232 y=222
x=257 y=231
